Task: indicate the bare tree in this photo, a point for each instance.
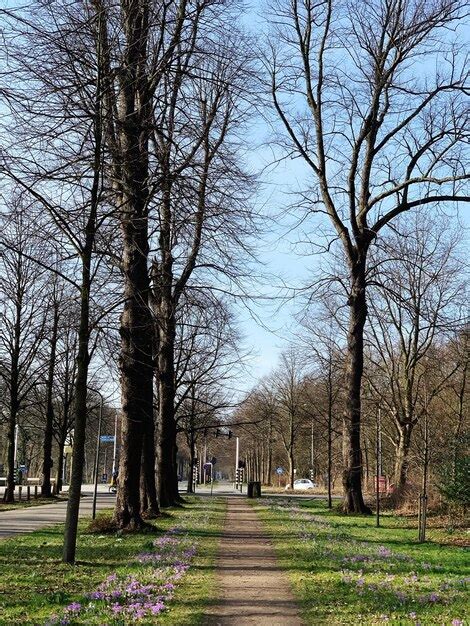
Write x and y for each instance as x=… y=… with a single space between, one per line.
x=56 y=156
x=22 y=289
x=416 y=302
x=208 y=362
x=380 y=131
x=290 y=415
x=325 y=385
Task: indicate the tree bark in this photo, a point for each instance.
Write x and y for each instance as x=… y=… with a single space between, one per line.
x=131 y=168
x=270 y=452
x=291 y=468
x=136 y=373
x=352 y=475
x=14 y=406
x=79 y=436
x=330 y=452
x=60 y=466
x=168 y=491
x=151 y=508
x=83 y=356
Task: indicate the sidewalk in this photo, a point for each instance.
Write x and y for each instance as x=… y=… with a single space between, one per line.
x=251 y=588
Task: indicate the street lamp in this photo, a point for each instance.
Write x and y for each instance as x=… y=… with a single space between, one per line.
x=237 y=454
x=115 y=442
x=15 y=450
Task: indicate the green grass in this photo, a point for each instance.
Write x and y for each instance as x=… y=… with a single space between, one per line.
x=35 y=584
x=344 y=570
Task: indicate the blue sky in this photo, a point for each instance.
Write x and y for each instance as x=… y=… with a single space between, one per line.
x=282 y=263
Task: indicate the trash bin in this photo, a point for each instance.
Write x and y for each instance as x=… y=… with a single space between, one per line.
x=254 y=489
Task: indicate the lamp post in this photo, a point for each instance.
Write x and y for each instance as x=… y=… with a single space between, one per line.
x=97 y=455
x=15 y=451
x=115 y=442
x=237 y=454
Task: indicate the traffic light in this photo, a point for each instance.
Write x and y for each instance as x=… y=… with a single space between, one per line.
x=230 y=434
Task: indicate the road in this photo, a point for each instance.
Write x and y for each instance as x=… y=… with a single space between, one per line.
x=27 y=519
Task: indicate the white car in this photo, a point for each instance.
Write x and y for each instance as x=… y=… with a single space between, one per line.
x=302 y=484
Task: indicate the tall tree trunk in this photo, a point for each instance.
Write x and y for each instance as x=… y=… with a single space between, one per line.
x=168 y=491
x=10 y=487
x=136 y=373
x=14 y=406
x=131 y=169
x=151 y=509
x=330 y=450
x=79 y=434
x=352 y=475
x=270 y=452
x=83 y=356
x=48 y=430
x=144 y=503
x=291 y=468
x=60 y=467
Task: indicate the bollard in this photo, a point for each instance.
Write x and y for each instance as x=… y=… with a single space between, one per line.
x=28 y=492
x=19 y=492
x=35 y=492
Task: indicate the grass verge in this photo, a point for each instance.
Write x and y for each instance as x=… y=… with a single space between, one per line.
x=344 y=570
x=35 y=584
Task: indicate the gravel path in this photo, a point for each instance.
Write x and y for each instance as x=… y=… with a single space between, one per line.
x=251 y=587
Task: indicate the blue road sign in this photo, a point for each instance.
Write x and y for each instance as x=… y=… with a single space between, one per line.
x=107 y=438
x=279 y=470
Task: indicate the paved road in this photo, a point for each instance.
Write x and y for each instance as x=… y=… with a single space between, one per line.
x=25 y=520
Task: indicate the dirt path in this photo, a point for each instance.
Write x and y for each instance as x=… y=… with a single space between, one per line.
x=251 y=587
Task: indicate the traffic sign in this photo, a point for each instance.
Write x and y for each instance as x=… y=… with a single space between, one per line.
x=107 y=438
x=279 y=470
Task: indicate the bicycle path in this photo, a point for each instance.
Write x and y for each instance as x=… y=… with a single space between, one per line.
x=25 y=520
x=252 y=589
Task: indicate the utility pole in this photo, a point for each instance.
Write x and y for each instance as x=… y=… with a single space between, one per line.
x=204 y=459
x=97 y=455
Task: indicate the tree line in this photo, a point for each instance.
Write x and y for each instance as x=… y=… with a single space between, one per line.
x=128 y=209
x=415 y=376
